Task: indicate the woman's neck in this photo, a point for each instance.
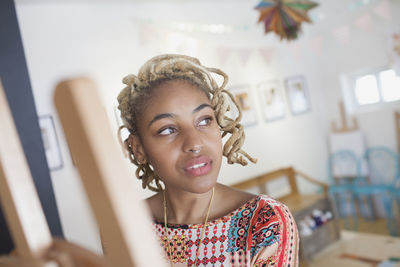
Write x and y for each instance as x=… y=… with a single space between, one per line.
x=187 y=208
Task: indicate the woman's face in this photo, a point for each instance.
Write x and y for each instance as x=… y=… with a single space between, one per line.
x=176 y=121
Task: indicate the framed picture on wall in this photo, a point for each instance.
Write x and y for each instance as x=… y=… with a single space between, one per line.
x=297 y=94
x=272 y=100
x=243 y=97
x=50 y=142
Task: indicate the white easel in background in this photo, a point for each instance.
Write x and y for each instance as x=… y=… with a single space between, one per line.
x=125 y=224
x=349 y=138
x=346 y=137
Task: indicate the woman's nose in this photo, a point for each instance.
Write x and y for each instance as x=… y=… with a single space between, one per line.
x=193 y=141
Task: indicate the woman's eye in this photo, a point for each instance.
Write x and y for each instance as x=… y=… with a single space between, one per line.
x=205 y=121
x=167 y=131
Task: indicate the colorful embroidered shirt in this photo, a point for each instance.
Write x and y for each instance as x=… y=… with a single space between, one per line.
x=262 y=232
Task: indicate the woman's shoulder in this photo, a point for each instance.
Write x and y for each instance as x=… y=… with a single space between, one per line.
x=263 y=212
x=236 y=201
x=267 y=206
x=259 y=205
x=265 y=200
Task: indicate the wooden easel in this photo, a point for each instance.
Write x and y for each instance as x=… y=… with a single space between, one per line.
x=18 y=196
x=343 y=120
x=124 y=222
x=347 y=129
x=34 y=245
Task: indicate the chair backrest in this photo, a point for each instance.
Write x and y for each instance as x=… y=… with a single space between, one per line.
x=261 y=181
x=383 y=165
x=349 y=140
x=343 y=167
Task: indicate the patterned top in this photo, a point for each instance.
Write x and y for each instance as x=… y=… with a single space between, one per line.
x=262 y=232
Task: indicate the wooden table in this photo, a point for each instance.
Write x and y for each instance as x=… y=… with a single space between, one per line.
x=355 y=249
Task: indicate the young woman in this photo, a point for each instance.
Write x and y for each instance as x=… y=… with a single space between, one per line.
x=177 y=115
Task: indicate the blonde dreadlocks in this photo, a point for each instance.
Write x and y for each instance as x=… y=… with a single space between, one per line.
x=168 y=67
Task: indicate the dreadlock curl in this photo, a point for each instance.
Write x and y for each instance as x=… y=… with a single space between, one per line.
x=173 y=67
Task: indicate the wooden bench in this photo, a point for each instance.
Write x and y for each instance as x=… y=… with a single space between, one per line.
x=301 y=205
x=294 y=200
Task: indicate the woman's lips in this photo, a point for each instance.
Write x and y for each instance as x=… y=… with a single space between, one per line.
x=198 y=166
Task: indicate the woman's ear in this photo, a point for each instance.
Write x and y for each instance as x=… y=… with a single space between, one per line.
x=137 y=148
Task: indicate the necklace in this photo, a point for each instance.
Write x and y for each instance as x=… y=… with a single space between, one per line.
x=202 y=230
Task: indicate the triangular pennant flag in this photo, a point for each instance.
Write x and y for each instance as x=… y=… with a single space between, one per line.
x=266 y=54
x=364 y=22
x=295 y=50
x=383 y=10
x=223 y=54
x=244 y=54
x=146 y=34
x=316 y=45
x=342 y=34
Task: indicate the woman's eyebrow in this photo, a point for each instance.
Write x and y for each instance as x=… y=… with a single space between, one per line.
x=172 y=115
x=161 y=116
x=201 y=107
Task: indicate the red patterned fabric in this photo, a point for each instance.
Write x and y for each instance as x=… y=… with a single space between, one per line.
x=262 y=232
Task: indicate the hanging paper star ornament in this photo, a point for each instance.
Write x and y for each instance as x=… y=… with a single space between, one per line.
x=284 y=17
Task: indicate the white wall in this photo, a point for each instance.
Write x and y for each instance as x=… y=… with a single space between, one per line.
x=104 y=41
x=364 y=49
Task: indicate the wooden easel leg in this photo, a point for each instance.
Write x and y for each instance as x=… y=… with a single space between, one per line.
x=18 y=195
x=124 y=221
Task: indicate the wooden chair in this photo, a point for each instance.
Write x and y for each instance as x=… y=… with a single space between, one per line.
x=124 y=222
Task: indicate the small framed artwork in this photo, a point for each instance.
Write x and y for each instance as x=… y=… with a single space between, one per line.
x=50 y=142
x=272 y=100
x=297 y=94
x=243 y=97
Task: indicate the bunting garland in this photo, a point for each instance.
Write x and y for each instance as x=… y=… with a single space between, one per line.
x=284 y=17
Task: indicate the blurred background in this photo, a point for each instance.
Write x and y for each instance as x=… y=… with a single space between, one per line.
x=291 y=90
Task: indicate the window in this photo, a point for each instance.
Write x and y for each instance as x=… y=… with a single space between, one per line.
x=382 y=86
x=390 y=85
x=371 y=90
x=366 y=90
